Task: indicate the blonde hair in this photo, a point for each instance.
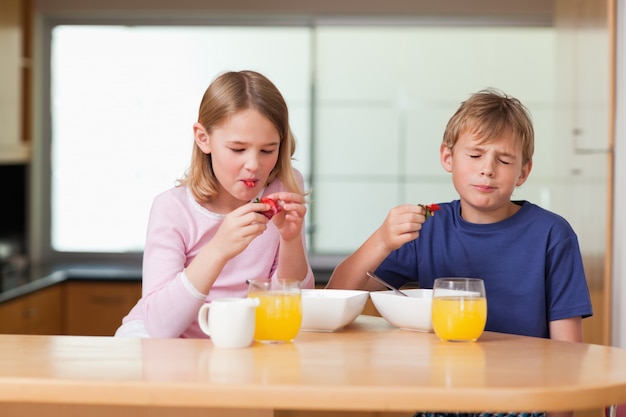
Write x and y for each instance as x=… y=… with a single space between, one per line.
x=229 y=93
x=491 y=114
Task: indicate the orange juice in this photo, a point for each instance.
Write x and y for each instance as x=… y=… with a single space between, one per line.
x=278 y=316
x=459 y=318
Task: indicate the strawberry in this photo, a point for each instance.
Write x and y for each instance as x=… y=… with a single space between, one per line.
x=248 y=183
x=430 y=209
x=274 y=207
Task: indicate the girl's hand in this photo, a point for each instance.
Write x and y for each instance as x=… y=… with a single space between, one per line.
x=401 y=225
x=290 y=218
x=238 y=229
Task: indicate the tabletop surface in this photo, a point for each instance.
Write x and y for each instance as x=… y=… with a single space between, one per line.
x=369 y=365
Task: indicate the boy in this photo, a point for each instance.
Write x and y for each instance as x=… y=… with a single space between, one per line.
x=528 y=257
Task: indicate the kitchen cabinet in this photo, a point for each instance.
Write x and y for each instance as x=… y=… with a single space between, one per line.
x=584 y=47
x=82 y=308
x=13 y=147
x=96 y=308
x=36 y=313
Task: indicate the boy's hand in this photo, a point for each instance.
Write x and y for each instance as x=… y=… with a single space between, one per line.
x=401 y=225
x=430 y=209
x=290 y=218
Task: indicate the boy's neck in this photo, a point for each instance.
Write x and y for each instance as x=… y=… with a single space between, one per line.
x=477 y=216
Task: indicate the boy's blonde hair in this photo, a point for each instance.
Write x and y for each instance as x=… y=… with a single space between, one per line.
x=490 y=114
x=229 y=93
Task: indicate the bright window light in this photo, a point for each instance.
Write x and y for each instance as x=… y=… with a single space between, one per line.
x=124 y=100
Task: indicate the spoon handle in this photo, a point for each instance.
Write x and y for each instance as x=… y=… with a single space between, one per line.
x=381 y=281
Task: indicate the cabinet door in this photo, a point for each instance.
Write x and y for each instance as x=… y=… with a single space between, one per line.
x=12 y=149
x=36 y=313
x=96 y=308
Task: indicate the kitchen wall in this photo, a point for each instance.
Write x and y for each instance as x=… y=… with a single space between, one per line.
x=618 y=292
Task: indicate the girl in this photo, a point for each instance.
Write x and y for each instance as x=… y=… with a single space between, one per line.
x=208 y=234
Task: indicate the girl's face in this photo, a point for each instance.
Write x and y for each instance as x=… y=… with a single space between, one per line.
x=485 y=175
x=244 y=150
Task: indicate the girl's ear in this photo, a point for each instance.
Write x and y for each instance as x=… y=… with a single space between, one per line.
x=201 y=137
x=445 y=157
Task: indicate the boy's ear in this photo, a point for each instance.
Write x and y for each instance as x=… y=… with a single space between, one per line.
x=201 y=137
x=524 y=174
x=445 y=157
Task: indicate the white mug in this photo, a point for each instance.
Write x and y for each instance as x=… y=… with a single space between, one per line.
x=230 y=322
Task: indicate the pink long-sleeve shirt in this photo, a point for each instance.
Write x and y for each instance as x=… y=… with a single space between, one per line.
x=178 y=228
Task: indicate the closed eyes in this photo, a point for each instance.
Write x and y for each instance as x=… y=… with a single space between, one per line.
x=502 y=161
x=263 y=151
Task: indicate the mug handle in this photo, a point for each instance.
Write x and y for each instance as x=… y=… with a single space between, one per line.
x=203 y=316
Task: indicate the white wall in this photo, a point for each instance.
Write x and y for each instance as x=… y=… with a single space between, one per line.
x=619 y=226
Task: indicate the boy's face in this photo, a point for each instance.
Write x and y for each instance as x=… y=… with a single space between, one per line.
x=485 y=174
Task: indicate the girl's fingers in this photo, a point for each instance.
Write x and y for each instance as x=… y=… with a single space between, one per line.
x=291 y=208
x=287 y=197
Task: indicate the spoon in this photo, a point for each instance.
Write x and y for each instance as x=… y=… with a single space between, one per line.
x=381 y=281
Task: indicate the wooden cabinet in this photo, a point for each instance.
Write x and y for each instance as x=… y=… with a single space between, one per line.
x=584 y=66
x=96 y=308
x=13 y=149
x=83 y=308
x=35 y=313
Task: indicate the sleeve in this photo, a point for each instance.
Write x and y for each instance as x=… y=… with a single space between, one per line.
x=168 y=306
x=567 y=289
x=400 y=266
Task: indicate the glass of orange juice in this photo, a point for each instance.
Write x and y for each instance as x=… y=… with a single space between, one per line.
x=279 y=314
x=459 y=311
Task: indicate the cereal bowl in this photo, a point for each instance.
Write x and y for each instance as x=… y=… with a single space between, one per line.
x=328 y=310
x=410 y=313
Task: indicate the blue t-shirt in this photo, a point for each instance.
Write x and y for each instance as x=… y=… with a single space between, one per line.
x=530 y=263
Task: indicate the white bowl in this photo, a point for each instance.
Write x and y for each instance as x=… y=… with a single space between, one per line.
x=411 y=313
x=328 y=310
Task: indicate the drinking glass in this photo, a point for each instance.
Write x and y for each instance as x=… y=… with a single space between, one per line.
x=459 y=311
x=279 y=314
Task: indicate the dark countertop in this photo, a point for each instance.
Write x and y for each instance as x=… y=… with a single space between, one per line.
x=42 y=276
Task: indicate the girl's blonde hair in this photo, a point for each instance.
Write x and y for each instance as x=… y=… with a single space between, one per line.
x=229 y=93
x=491 y=114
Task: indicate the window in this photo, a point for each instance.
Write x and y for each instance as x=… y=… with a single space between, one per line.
x=124 y=100
x=368 y=106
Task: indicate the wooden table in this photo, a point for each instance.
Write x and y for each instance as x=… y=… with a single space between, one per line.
x=368 y=366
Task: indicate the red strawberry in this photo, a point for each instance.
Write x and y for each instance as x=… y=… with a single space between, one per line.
x=274 y=207
x=430 y=209
x=248 y=183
